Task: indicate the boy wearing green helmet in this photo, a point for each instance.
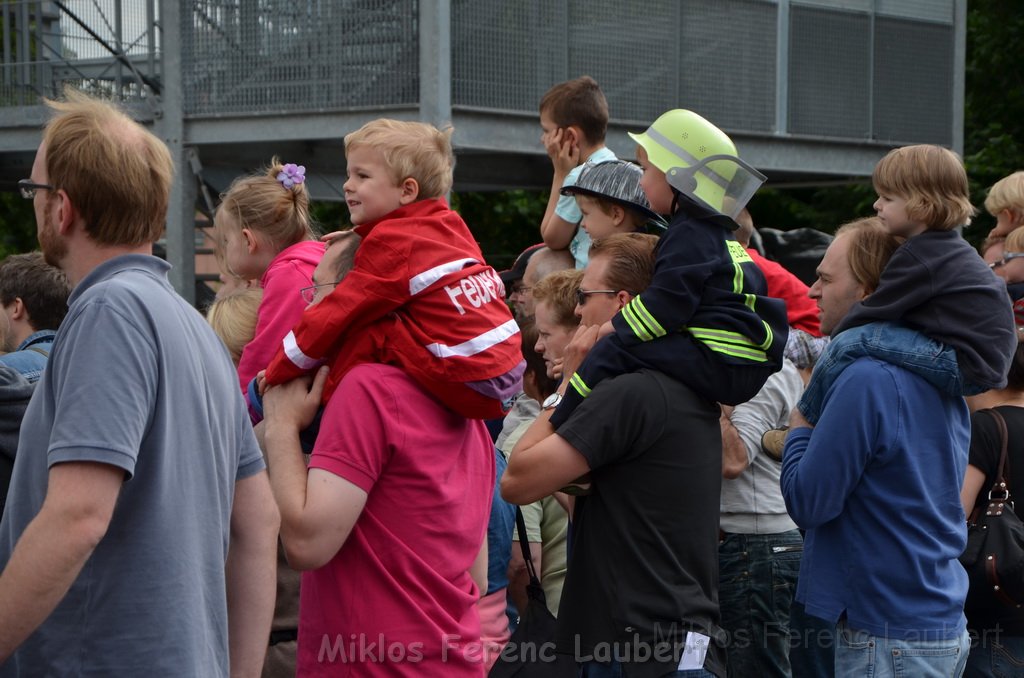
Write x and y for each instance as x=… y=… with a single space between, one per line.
x=705 y=319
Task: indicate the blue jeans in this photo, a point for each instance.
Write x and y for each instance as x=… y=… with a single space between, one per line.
x=596 y=669
x=812 y=644
x=1001 y=656
x=860 y=654
x=901 y=346
x=757 y=575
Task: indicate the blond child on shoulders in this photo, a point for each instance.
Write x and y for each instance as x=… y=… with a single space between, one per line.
x=420 y=295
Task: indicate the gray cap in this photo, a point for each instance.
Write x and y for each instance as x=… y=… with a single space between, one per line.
x=617 y=181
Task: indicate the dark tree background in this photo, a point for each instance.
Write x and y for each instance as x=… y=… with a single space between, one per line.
x=507 y=222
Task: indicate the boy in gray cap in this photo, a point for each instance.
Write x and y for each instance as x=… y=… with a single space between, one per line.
x=609 y=196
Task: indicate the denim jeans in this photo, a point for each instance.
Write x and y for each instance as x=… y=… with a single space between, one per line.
x=862 y=655
x=596 y=669
x=757 y=575
x=999 y=657
x=812 y=644
x=893 y=343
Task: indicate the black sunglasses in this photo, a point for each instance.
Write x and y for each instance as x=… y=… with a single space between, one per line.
x=581 y=295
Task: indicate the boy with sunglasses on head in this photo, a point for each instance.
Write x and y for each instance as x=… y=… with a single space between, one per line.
x=1010 y=267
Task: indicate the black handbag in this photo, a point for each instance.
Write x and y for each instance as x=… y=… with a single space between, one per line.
x=994 y=557
x=530 y=652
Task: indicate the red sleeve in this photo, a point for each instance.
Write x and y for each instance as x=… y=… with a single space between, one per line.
x=801 y=310
x=377 y=285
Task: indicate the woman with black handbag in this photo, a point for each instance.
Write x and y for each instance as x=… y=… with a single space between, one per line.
x=995 y=604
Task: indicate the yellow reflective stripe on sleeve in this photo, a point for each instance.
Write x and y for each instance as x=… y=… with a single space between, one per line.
x=732 y=343
x=749 y=300
x=634 y=323
x=645 y=318
x=577 y=383
x=769 y=336
x=739 y=255
x=737 y=352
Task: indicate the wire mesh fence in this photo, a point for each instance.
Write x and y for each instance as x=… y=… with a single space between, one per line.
x=880 y=70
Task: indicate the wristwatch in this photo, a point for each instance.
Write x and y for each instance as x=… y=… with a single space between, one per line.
x=551 y=402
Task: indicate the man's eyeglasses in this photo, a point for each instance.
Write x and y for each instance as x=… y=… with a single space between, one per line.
x=519 y=289
x=28 y=189
x=308 y=293
x=1007 y=256
x=581 y=295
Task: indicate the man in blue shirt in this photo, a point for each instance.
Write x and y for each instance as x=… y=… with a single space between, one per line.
x=876 y=486
x=34 y=296
x=140 y=533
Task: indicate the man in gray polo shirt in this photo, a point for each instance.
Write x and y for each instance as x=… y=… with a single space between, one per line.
x=140 y=525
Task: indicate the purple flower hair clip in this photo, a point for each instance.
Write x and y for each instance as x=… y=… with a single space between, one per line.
x=292 y=175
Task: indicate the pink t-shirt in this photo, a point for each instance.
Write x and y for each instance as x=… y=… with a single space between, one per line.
x=282 y=305
x=397 y=599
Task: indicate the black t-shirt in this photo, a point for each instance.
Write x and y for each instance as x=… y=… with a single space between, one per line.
x=644 y=563
x=986 y=446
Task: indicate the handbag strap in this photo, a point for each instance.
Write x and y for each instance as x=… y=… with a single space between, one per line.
x=524 y=544
x=1001 y=487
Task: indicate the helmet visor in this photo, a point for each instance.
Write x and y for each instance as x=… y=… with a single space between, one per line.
x=723 y=183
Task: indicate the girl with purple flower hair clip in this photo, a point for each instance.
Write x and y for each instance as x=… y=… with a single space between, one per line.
x=265 y=234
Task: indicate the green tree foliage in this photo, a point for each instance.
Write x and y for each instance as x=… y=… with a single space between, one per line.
x=17 y=224
x=504 y=223
x=824 y=208
x=994 y=100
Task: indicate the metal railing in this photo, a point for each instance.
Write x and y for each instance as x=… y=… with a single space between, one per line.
x=841 y=69
x=108 y=48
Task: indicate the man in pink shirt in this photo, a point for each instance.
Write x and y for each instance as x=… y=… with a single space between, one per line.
x=387 y=523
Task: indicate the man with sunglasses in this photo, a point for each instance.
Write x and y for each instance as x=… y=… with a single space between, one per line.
x=640 y=590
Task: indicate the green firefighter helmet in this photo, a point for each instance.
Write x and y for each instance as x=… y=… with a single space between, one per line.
x=700 y=161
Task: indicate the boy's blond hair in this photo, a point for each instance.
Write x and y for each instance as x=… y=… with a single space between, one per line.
x=233 y=319
x=932 y=180
x=1007 y=194
x=1014 y=241
x=578 y=102
x=414 y=150
x=558 y=291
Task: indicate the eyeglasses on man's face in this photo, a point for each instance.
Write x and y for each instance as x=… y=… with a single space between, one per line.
x=1006 y=258
x=28 y=188
x=581 y=295
x=309 y=293
x=519 y=288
